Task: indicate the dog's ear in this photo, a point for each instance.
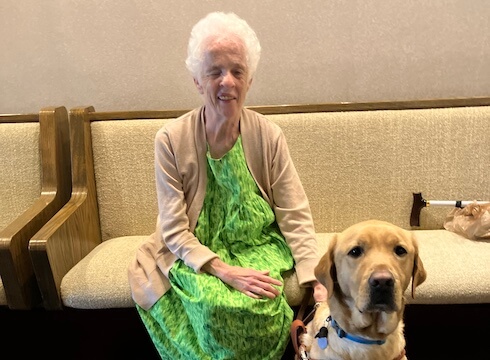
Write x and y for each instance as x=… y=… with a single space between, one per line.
x=418 y=273
x=325 y=271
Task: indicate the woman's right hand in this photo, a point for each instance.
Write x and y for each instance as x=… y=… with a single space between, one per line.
x=254 y=283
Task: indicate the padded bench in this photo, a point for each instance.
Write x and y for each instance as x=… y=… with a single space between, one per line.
x=356 y=161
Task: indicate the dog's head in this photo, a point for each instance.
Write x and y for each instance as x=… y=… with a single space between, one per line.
x=371 y=264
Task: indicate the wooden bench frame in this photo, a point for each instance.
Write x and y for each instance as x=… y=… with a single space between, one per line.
x=15 y=263
x=75 y=230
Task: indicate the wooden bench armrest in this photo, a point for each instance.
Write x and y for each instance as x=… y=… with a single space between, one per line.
x=70 y=235
x=75 y=230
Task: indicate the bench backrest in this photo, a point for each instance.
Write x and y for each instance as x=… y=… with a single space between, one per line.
x=124 y=175
x=20 y=177
x=354 y=164
x=361 y=165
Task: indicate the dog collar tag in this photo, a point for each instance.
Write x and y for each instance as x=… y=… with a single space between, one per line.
x=322 y=343
x=322 y=338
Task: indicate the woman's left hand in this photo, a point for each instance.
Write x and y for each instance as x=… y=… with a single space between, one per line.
x=254 y=283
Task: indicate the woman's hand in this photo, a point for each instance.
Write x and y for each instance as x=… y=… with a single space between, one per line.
x=254 y=283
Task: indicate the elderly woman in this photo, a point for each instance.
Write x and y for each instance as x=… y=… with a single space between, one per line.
x=233 y=215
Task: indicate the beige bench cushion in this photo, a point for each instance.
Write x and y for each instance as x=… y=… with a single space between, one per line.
x=100 y=279
x=458 y=269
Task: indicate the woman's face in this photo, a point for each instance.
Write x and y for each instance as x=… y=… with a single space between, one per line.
x=224 y=79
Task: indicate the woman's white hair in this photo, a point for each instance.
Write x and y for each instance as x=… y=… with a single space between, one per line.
x=220 y=24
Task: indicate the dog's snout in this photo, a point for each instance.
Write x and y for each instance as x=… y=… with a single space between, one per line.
x=381 y=291
x=381 y=279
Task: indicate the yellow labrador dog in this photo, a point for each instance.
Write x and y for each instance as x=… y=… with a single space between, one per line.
x=366 y=270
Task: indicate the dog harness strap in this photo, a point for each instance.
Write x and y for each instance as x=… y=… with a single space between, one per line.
x=298 y=325
x=297 y=328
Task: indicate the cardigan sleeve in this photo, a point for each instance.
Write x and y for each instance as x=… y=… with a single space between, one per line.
x=292 y=210
x=273 y=169
x=173 y=175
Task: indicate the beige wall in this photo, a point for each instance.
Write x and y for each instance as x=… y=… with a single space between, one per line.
x=123 y=55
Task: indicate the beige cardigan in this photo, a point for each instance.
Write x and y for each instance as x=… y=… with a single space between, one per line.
x=180 y=169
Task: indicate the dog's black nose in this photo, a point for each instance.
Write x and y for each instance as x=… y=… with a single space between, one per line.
x=381 y=286
x=381 y=280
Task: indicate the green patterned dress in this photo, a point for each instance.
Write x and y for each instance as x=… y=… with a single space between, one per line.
x=203 y=318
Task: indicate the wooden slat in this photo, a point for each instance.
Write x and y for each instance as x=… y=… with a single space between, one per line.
x=302 y=108
x=372 y=106
x=19 y=118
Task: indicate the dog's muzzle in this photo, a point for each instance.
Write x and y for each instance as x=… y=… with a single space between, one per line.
x=381 y=291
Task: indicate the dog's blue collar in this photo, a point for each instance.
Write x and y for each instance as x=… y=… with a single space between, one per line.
x=342 y=334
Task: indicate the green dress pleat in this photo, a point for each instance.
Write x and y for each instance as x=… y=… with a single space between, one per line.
x=201 y=317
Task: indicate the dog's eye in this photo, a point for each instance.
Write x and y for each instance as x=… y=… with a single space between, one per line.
x=356 y=251
x=400 y=250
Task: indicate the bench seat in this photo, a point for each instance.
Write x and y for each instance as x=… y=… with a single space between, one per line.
x=445 y=256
